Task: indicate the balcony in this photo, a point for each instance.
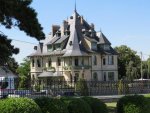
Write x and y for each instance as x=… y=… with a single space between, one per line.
x=68 y=68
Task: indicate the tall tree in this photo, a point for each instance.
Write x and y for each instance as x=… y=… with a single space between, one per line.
x=128 y=62
x=17 y=13
x=12 y=65
x=6 y=50
x=23 y=72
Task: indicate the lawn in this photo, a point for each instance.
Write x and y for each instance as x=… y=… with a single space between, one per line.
x=111 y=107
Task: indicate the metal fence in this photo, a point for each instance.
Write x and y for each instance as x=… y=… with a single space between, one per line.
x=69 y=88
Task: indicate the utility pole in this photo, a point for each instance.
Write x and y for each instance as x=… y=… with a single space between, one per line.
x=141 y=67
x=148 y=67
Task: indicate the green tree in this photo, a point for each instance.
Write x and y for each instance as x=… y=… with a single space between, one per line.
x=23 y=71
x=6 y=50
x=128 y=62
x=17 y=13
x=12 y=65
x=82 y=87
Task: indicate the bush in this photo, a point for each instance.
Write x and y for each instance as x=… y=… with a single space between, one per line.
x=76 y=105
x=51 y=105
x=96 y=105
x=19 y=105
x=132 y=104
x=82 y=87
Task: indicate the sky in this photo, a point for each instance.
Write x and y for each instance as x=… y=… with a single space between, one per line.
x=123 y=22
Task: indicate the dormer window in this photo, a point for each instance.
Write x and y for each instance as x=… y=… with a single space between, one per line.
x=106 y=47
x=49 y=48
x=58 y=46
x=93 y=45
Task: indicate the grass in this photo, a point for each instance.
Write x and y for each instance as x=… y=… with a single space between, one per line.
x=111 y=107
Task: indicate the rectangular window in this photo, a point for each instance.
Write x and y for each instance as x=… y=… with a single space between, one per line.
x=49 y=63
x=111 y=76
x=95 y=60
x=59 y=62
x=76 y=62
x=70 y=61
x=32 y=62
x=104 y=77
x=82 y=61
x=104 y=61
x=110 y=60
x=38 y=63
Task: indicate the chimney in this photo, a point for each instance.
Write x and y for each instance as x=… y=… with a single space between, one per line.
x=55 y=28
x=63 y=27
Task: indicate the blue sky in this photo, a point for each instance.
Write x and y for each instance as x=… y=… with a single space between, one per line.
x=124 y=22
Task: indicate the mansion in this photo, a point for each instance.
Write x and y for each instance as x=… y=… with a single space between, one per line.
x=74 y=50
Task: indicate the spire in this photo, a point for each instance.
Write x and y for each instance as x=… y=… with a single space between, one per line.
x=75 y=7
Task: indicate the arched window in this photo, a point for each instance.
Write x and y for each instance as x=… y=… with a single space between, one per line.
x=95 y=77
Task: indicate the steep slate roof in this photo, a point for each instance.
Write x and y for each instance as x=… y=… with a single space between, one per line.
x=90 y=39
x=73 y=46
x=54 y=39
x=103 y=39
x=60 y=40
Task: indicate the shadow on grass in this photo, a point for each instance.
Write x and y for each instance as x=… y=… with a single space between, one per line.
x=112 y=109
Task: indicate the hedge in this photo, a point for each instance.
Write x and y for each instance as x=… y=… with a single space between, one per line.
x=132 y=104
x=96 y=105
x=77 y=105
x=51 y=105
x=19 y=105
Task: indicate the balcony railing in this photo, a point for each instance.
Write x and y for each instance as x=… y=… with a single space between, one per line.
x=77 y=67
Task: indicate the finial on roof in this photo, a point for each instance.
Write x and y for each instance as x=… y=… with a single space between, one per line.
x=100 y=30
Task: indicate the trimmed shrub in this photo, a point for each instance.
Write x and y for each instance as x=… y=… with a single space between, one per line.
x=132 y=104
x=19 y=105
x=96 y=105
x=51 y=105
x=77 y=105
x=131 y=108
